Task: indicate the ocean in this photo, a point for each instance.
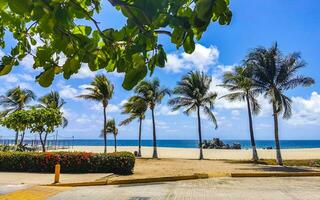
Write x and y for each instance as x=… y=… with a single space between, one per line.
x=285 y=144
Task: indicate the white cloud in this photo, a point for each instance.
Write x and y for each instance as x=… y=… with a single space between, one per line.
x=84 y=72
x=123 y=102
x=28 y=62
x=175 y=64
x=111 y=108
x=305 y=111
x=9 y=78
x=235 y=113
x=166 y=110
x=200 y=59
x=68 y=92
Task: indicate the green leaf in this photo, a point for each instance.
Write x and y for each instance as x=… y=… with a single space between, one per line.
x=133 y=76
x=162 y=57
x=204 y=9
x=177 y=37
x=3 y=4
x=5 y=69
x=20 y=6
x=82 y=30
x=136 y=73
x=71 y=66
x=45 y=78
x=138 y=61
x=189 y=44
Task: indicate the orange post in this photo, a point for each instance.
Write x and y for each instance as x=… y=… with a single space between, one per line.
x=57 y=173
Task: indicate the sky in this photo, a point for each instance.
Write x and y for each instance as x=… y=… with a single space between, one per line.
x=293 y=24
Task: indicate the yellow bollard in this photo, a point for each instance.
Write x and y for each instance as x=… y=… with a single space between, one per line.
x=57 y=173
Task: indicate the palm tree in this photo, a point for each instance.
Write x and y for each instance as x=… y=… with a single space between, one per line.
x=100 y=90
x=152 y=93
x=112 y=129
x=16 y=99
x=273 y=74
x=136 y=108
x=193 y=93
x=240 y=85
x=53 y=100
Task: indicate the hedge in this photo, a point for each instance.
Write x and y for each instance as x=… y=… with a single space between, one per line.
x=71 y=162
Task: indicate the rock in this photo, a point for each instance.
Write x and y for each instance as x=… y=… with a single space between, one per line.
x=216 y=143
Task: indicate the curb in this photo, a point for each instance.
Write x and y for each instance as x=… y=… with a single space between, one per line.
x=134 y=181
x=187 y=177
x=275 y=174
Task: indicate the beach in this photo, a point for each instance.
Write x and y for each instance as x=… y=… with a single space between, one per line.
x=193 y=153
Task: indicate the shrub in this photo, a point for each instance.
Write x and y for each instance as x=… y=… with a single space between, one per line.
x=317 y=163
x=71 y=162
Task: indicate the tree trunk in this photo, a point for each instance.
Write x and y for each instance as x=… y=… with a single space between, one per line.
x=140 y=125
x=200 y=136
x=43 y=144
x=155 y=152
x=16 y=138
x=104 y=128
x=115 y=142
x=253 y=142
x=22 y=137
x=276 y=134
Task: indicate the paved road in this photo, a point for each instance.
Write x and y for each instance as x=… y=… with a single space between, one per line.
x=306 y=188
x=11 y=188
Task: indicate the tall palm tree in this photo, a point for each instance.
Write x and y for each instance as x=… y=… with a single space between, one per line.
x=136 y=107
x=193 y=93
x=14 y=100
x=112 y=129
x=152 y=94
x=239 y=83
x=100 y=90
x=273 y=74
x=53 y=100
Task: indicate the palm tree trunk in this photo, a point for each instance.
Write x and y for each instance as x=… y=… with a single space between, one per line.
x=155 y=152
x=276 y=134
x=16 y=138
x=22 y=137
x=115 y=142
x=200 y=136
x=43 y=144
x=140 y=125
x=104 y=128
x=253 y=142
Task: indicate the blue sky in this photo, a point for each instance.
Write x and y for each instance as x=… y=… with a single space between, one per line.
x=293 y=24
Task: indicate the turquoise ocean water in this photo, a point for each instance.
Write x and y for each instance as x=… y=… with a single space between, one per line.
x=285 y=144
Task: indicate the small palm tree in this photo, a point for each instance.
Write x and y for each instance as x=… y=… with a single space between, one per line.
x=273 y=74
x=239 y=83
x=100 y=90
x=152 y=94
x=193 y=93
x=112 y=129
x=136 y=107
x=53 y=100
x=16 y=99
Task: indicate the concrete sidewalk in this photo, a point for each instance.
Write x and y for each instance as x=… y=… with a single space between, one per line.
x=302 y=188
x=15 y=178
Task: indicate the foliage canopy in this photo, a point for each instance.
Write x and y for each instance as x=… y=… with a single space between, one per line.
x=51 y=30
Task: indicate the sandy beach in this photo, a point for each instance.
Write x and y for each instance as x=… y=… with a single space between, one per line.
x=193 y=153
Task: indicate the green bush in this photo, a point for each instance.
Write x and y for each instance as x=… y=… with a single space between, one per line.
x=71 y=162
x=19 y=147
x=317 y=163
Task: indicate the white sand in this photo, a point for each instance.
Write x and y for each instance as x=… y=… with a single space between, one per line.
x=193 y=153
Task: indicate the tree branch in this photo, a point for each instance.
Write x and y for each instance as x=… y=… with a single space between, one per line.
x=163 y=32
